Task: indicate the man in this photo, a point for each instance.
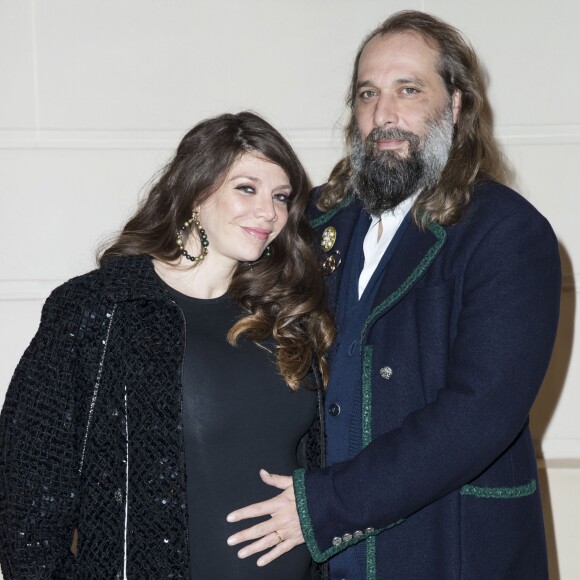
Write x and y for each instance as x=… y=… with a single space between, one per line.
x=445 y=286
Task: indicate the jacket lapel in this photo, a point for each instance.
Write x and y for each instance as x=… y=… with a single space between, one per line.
x=343 y=219
x=413 y=257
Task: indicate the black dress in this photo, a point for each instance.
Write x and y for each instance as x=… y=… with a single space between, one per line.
x=238 y=416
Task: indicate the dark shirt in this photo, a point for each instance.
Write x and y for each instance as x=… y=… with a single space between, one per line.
x=239 y=416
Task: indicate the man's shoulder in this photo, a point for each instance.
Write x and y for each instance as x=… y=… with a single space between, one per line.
x=496 y=201
x=497 y=212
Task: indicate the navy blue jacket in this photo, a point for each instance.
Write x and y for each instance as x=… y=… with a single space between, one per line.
x=454 y=353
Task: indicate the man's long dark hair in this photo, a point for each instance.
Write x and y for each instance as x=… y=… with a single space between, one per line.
x=474 y=154
x=283 y=295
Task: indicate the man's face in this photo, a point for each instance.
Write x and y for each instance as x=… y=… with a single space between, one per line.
x=400 y=87
x=405 y=119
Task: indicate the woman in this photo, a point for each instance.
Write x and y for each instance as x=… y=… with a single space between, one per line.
x=159 y=384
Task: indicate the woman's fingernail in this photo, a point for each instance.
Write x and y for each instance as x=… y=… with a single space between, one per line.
x=231 y=518
x=242 y=554
x=232 y=541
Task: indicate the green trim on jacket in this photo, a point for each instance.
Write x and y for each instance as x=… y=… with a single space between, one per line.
x=319 y=555
x=331 y=213
x=439 y=232
x=500 y=492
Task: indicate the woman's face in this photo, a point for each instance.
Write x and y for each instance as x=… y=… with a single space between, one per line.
x=247 y=212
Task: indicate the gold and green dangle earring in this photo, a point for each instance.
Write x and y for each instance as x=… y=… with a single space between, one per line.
x=202 y=238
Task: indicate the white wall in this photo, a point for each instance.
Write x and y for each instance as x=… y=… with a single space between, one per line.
x=95 y=94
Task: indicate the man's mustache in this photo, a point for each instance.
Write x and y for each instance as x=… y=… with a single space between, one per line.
x=391 y=134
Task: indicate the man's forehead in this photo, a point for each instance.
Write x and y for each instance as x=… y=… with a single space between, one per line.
x=399 y=49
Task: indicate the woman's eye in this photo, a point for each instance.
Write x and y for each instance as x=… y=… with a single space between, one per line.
x=282 y=197
x=246 y=188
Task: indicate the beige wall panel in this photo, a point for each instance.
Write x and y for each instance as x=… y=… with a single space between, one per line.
x=318 y=161
x=554 y=417
x=559 y=487
x=17 y=80
x=133 y=64
x=22 y=318
x=530 y=50
x=56 y=205
x=547 y=174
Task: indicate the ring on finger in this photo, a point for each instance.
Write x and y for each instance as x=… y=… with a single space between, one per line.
x=279 y=537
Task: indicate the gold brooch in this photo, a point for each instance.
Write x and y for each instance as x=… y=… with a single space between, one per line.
x=328 y=238
x=331 y=263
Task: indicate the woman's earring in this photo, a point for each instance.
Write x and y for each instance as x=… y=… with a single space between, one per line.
x=202 y=238
x=268 y=252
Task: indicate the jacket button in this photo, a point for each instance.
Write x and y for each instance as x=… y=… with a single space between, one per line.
x=334 y=409
x=369 y=530
x=347 y=537
x=358 y=534
x=336 y=541
x=386 y=373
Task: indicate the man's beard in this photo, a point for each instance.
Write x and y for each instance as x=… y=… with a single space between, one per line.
x=382 y=179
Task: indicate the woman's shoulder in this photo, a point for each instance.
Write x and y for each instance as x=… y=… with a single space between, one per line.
x=115 y=272
x=119 y=278
x=73 y=300
x=89 y=285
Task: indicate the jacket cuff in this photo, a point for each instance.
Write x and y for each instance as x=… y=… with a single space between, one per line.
x=338 y=543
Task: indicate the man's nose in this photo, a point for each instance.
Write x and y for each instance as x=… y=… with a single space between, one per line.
x=385 y=113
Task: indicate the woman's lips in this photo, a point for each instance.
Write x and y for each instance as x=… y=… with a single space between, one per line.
x=258 y=233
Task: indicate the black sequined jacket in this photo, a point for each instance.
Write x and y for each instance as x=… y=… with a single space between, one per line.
x=91 y=434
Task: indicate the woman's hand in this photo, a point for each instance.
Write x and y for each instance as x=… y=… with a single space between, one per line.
x=281 y=532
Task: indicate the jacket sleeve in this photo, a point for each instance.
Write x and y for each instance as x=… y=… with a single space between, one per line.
x=505 y=335
x=40 y=450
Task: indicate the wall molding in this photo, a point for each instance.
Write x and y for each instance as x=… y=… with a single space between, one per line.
x=25 y=290
x=301 y=138
x=557 y=451
x=569 y=282
x=558 y=463
x=538 y=134
x=139 y=140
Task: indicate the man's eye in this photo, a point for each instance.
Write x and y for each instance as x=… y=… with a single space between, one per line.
x=367 y=94
x=410 y=90
x=246 y=188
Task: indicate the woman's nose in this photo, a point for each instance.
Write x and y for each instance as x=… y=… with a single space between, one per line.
x=266 y=209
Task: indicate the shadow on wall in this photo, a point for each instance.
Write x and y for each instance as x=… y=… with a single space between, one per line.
x=549 y=396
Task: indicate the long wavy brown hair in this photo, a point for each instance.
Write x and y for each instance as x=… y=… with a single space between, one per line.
x=283 y=294
x=474 y=155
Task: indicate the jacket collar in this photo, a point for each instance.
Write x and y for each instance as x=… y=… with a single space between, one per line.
x=415 y=253
x=132 y=278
